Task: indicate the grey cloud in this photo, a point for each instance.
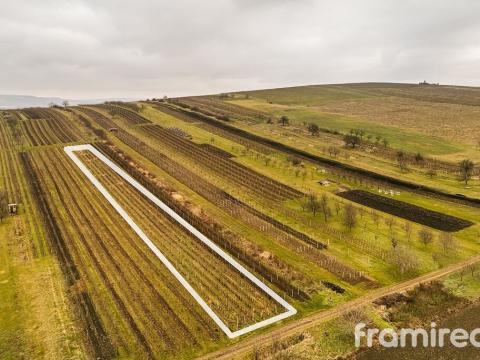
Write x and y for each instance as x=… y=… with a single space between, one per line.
x=111 y=48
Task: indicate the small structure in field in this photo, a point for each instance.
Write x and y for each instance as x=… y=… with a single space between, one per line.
x=113 y=129
x=324 y=182
x=13 y=209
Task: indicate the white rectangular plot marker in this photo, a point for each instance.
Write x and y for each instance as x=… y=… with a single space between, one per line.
x=290 y=310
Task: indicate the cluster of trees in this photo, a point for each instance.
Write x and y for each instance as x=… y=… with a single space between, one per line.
x=466 y=168
x=321 y=205
x=350 y=214
x=316 y=204
x=164 y=99
x=357 y=136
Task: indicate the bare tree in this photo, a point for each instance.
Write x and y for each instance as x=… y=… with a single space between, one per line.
x=313 y=129
x=472 y=268
x=407 y=227
x=425 y=236
x=401 y=158
x=375 y=217
x=337 y=207
x=354 y=316
x=390 y=222
x=313 y=204
x=325 y=206
x=65 y=103
x=350 y=217
x=405 y=260
x=3 y=205
x=284 y=120
x=466 y=168
x=447 y=241
x=394 y=242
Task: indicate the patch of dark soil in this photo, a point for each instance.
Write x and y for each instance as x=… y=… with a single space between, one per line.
x=334 y=287
x=407 y=211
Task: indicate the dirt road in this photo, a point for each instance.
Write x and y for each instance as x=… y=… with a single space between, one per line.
x=309 y=321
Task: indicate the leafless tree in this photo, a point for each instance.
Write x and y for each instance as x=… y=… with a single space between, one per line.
x=401 y=158
x=472 y=268
x=331 y=150
x=394 y=242
x=407 y=227
x=466 y=168
x=447 y=241
x=337 y=207
x=284 y=120
x=65 y=103
x=362 y=212
x=405 y=260
x=375 y=217
x=350 y=216
x=354 y=316
x=313 y=204
x=325 y=206
x=313 y=129
x=390 y=222
x=425 y=236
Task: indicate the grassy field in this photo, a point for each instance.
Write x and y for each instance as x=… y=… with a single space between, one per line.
x=408 y=140
x=442 y=116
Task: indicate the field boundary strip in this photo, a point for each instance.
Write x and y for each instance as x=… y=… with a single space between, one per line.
x=70 y=150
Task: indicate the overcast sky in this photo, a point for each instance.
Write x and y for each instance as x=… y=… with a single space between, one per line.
x=145 y=48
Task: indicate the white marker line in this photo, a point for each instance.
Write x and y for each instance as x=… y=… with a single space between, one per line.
x=87 y=147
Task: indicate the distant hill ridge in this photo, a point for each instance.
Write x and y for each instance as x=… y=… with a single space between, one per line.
x=22 y=101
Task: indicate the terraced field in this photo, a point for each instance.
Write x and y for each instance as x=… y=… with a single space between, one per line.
x=235 y=299
x=134 y=295
x=297 y=210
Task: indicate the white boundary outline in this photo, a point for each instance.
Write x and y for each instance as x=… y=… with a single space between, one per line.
x=88 y=147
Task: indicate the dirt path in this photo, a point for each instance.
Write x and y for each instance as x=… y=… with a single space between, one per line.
x=307 y=322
